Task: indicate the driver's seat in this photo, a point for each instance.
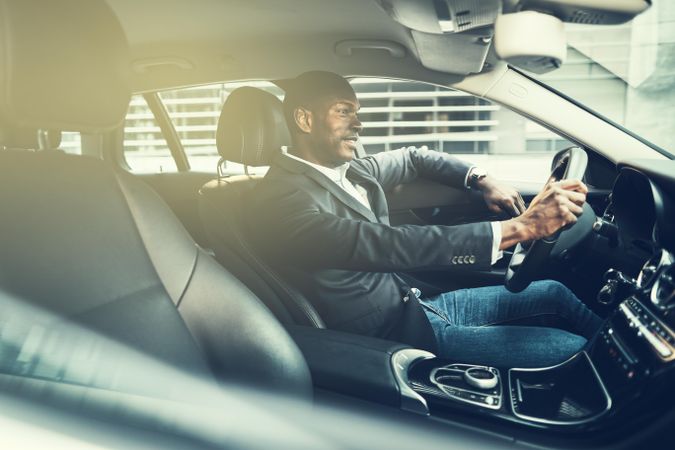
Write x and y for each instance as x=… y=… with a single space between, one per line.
x=251 y=131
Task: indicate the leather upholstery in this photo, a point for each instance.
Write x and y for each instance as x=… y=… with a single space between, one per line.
x=65 y=65
x=251 y=128
x=101 y=248
x=98 y=246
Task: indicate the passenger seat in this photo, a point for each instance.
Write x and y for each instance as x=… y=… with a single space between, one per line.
x=92 y=243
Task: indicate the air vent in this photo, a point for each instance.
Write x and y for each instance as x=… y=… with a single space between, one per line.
x=663 y=291
x=652 y=267
x=587 y=17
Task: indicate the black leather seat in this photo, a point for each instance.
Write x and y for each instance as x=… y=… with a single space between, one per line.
x=95 y=244
x=251 y=131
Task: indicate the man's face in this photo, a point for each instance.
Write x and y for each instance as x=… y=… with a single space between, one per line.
x=335 y=129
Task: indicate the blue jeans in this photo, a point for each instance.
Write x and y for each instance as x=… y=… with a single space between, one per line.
x=469 y=325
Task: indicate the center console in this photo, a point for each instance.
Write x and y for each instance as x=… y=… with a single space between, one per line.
x=571 y=393
x=622 y=380
x=622 y=374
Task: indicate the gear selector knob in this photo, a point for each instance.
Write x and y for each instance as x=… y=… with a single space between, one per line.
x=481 y=378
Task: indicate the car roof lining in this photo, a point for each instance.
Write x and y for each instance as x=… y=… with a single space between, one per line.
x=203 y=41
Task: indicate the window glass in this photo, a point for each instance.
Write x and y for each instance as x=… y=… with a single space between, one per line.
x=145 y=148
x=71 y=142
x=195 y=111
x=398 y=113
x=625 y=72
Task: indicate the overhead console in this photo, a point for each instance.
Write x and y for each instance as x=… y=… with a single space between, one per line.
x=527 y=33
x=443 y=16
x=450 y=36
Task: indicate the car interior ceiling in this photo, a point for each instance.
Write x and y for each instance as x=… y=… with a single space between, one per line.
x=92 y=247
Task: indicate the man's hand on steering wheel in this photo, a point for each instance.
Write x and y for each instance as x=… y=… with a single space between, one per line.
x=558 y=204
x=557 y=220
x=501 y=198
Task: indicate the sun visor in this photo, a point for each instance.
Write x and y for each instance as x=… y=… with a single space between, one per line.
x=65 y=65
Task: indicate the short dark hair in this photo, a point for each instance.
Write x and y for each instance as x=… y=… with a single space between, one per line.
x=308 y=89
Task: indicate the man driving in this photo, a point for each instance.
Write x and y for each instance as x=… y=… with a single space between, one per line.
x=333 y=240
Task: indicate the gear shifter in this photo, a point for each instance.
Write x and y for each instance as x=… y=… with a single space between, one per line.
x=617 y=287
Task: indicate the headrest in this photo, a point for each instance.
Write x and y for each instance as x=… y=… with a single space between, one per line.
x=251 y=128
x=65 y=65
x=29 y=138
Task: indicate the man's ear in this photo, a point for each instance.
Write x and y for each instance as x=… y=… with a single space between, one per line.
x=303 y=119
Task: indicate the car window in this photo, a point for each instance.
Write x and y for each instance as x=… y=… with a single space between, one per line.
x=195 y=111
x=145 y=149
x=71 y=142
x=394 y=113
x=625 y=72
x=398 y=113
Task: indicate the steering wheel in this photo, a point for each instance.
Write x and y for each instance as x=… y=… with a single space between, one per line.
x=528 y=260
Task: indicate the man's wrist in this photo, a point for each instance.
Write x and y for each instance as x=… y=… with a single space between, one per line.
x=477 y=178
x=514 y=231
x=483 y=182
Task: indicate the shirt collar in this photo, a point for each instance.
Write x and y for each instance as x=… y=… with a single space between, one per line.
x=337 y=174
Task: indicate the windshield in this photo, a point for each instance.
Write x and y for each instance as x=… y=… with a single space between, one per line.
x=625 y=72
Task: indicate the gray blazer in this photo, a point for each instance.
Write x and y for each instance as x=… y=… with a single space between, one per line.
x=344 y=257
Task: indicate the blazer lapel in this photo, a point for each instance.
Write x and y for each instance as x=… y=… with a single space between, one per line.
x=376 y=197
x=339 y=193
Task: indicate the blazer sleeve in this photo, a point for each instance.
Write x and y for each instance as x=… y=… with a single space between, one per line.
x=307 y=237
x=406 y=164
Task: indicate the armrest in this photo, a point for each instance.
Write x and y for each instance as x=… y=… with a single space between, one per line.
x=350 y=364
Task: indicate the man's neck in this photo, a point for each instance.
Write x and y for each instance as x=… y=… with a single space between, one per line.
x=309 y=157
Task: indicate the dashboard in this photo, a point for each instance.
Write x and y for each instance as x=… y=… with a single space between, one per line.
x=635 y=350
x=643 y=205
x=639 y=219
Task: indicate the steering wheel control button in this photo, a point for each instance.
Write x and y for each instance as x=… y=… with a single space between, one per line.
x=481 y=378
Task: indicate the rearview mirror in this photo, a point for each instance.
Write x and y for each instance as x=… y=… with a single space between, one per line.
x=531 y=40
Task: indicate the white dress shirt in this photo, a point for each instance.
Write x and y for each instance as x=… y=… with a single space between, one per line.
x=339 y=177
